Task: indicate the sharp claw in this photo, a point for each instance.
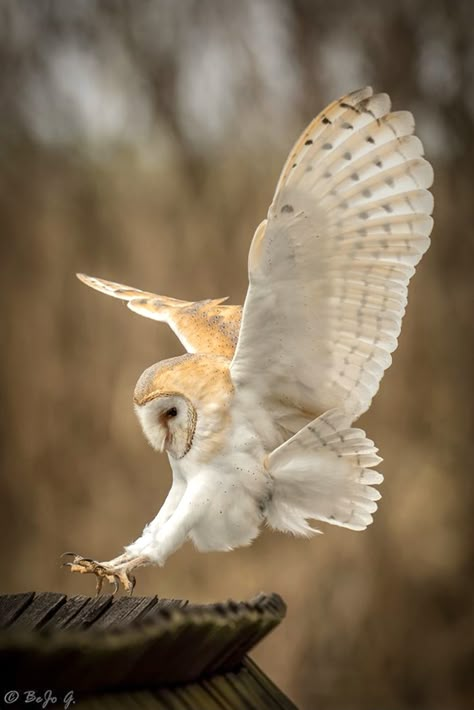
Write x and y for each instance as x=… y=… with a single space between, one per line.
x=77 y=559
x=115 y=576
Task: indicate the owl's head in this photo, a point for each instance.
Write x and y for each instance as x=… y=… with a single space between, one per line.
x=183 y=400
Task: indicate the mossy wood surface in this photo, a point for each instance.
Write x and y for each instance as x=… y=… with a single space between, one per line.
x=140 y=651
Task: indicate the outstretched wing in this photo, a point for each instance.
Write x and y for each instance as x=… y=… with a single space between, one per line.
x=328 y=272
x=202 y=327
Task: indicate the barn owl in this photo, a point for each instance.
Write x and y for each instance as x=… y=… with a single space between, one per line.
x=257 y=417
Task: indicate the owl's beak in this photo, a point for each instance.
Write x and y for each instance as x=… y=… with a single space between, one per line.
x=163 y=444
x=161 y=440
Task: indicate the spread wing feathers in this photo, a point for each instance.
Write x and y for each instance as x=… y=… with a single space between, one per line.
x=201 y=326
x=324 y=472
x=329 y=270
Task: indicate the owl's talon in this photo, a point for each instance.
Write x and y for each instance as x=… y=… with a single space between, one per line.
x=116 y=575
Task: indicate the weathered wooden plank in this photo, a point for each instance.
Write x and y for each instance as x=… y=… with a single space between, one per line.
x=171 y=604
x=162 y=608
x=185 y=634
x=229 y=698
x=251 y=692
x=123 y=611
x=255 y=619
x=63 y=617
x=12 y=605
x=245 y=641
x=197 y=697
x=215 y=693
x=215 y=638
x=232 y=691
x=268 y=685
x=39 y=610
x=177 y=644
x=89 y=613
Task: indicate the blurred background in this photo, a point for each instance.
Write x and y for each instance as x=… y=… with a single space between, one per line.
x=141 y=142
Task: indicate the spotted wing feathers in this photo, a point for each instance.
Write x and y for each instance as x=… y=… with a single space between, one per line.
x=349 y=221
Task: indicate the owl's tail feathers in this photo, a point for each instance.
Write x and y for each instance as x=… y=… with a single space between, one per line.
x=324 y=472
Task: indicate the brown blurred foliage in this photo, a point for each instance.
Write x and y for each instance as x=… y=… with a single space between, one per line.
x=141 y=142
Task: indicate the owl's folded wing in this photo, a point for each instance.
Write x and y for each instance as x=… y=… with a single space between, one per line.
x=329 y=270
x=201 y=326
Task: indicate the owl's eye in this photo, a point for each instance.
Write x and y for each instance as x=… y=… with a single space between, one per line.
x=171 y=412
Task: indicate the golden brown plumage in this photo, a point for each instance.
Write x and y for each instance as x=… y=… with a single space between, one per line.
x=201 y=326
